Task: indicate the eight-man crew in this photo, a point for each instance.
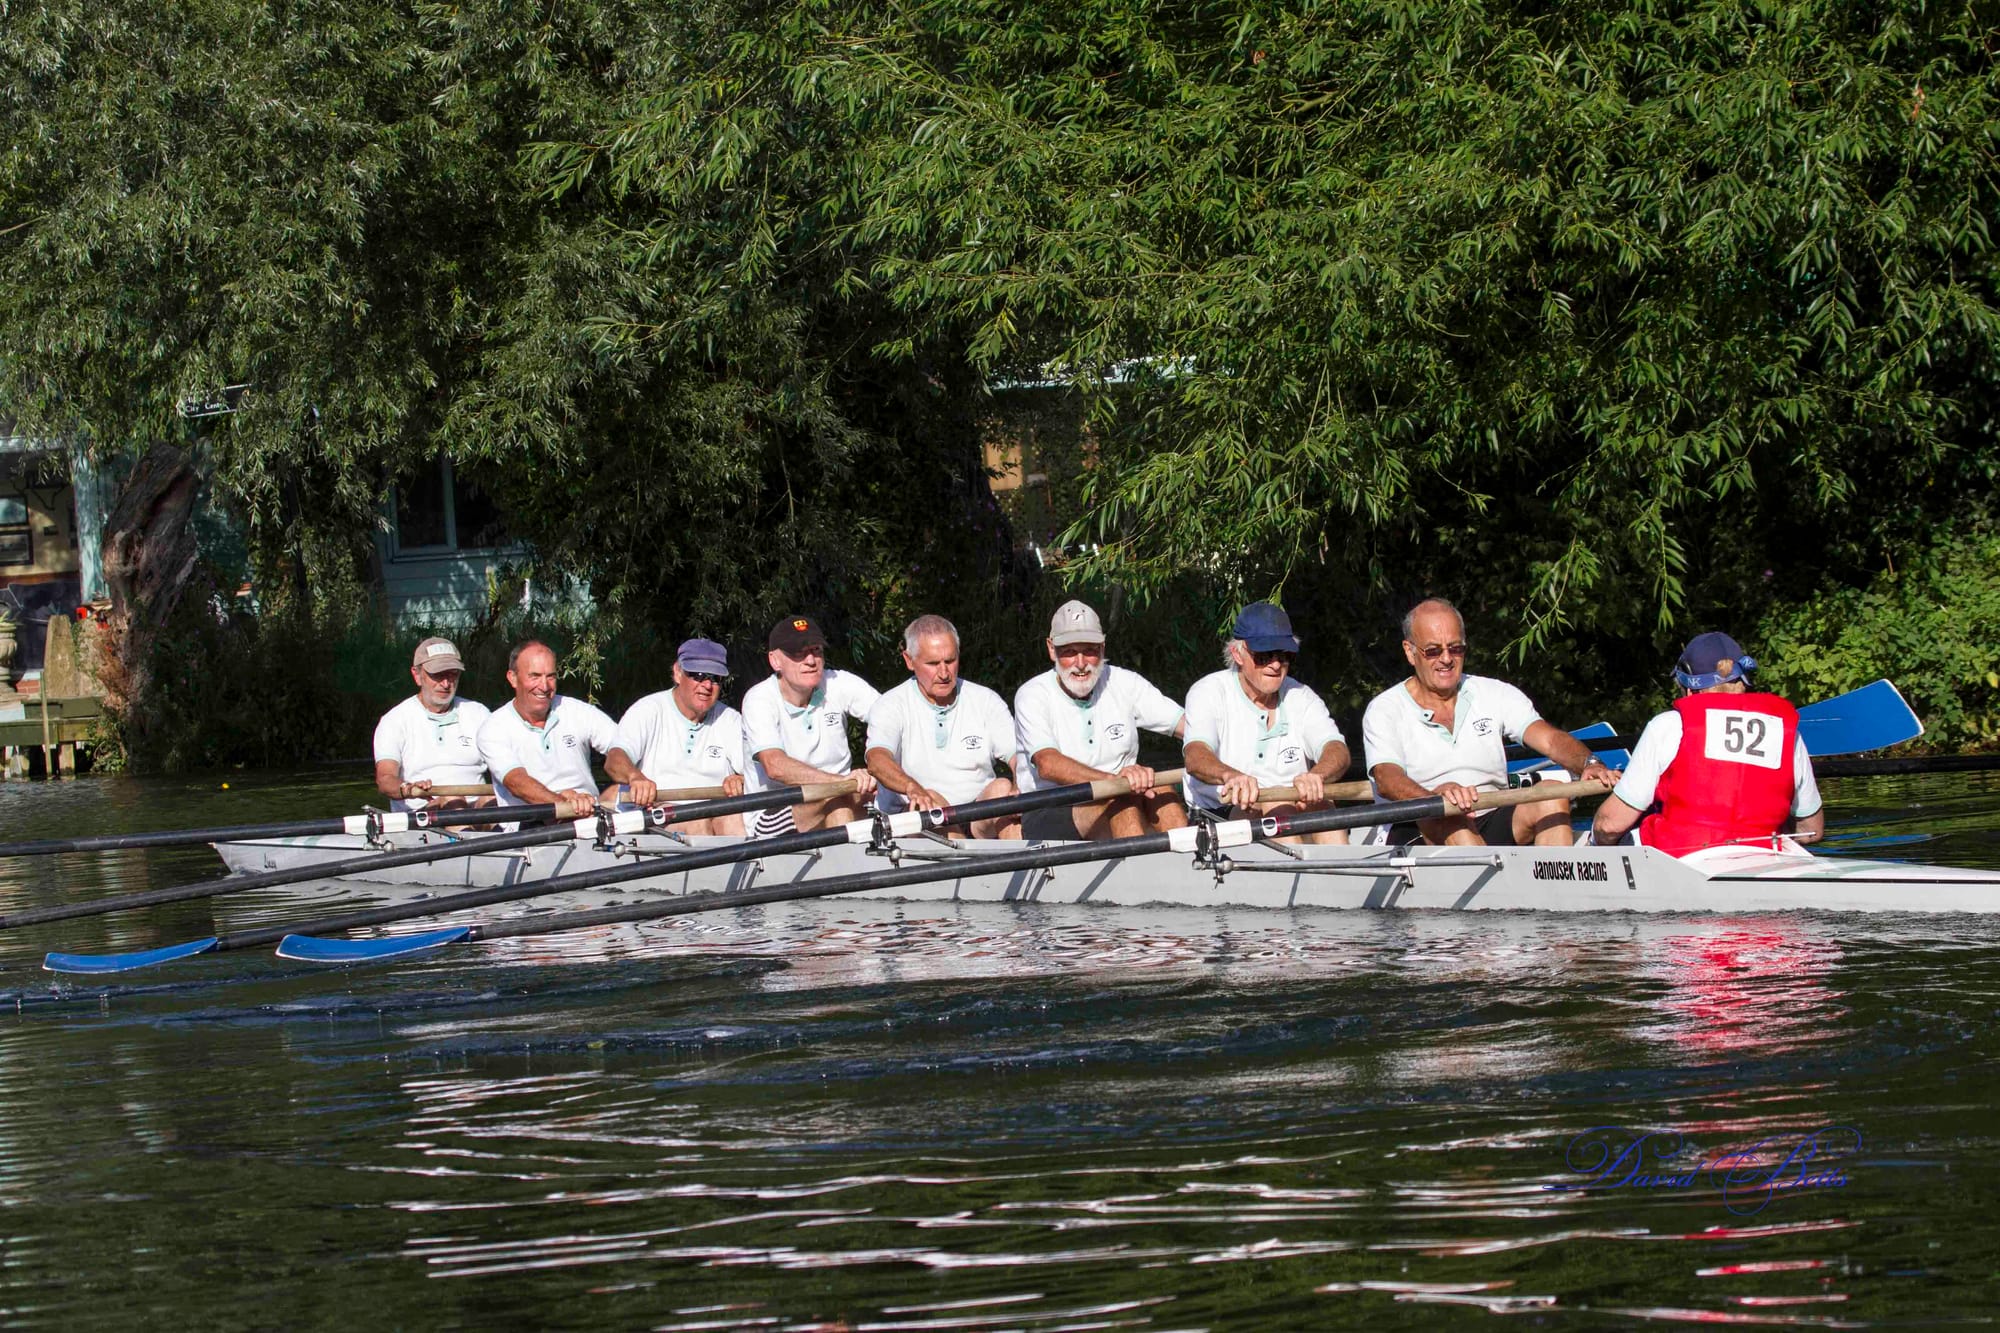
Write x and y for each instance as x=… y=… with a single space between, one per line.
x=934 y=740
x=1251 y=725
x=431 y=738
x=538 y=745
x=1725 y=763
x=1080 y=721
x=795 y=727
x=685 y=737
x=1444 y=733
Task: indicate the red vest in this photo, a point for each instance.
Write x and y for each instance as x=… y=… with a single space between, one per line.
x=1731 y=780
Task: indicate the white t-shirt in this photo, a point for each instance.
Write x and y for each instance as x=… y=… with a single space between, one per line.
x=433 y=747
x=556 y=754
x=1639 y=785
x=679 y=754
x=815 y=735
x=1101 y=732
x=1490 y=715
x=950 y=750
x=1221 y=716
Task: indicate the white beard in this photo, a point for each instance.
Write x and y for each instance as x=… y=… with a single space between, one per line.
x=1079 y=687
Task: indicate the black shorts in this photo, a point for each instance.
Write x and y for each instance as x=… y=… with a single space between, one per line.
x=1495 y=826
x=1049 y=825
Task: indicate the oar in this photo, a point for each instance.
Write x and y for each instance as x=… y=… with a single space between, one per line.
x=358 y=825
x=1213 y=837
x=1933 y=763
x=861 y=831
x=684 y=805
x=1873 y=717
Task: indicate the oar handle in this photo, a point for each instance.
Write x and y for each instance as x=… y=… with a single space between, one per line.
x=1335 y=791
x=458 y=789
x=1104 y=788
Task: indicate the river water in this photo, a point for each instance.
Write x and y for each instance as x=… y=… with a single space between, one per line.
x=867 y=1116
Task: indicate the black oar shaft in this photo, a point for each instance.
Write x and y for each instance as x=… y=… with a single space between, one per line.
x=301 y=828
x=1875 y=768
x=1261 y=829
x=646 y=867
x=211 y=888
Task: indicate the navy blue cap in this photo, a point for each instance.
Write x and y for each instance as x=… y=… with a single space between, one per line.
x=1712 y=659
x=1264 y=627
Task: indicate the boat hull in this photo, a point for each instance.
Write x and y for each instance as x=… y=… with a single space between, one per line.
x=1574 y=879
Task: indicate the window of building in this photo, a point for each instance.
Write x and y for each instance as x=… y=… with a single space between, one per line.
x=438 y=510
x=17 y=544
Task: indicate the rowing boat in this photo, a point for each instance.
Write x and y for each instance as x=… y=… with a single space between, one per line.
x=1573 y=879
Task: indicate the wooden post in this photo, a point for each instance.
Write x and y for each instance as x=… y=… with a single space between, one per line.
x=48 y=744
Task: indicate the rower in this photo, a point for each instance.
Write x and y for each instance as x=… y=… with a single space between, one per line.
x=937 y=740
x=538 y=745
x=1444 y=733
x=1716 y=763
x=795 y=727
x=686 y=737
x=1080 y=722
x=432 y=737
x=1251 y=725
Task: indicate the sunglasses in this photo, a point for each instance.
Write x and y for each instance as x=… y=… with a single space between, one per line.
x=1271 y=655
x=705 y=677
x=1433 y=651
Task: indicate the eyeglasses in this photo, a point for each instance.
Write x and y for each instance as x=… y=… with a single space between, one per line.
x=705 y=677
x=1433 y=651
x=1270 y=655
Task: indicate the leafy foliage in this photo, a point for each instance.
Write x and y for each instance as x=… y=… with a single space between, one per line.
x=1605 y=320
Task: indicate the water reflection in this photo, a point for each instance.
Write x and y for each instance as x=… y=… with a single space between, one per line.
x=1738 y=988
x=876 y=1115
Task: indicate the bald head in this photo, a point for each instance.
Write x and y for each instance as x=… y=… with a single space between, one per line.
x=1426 y=613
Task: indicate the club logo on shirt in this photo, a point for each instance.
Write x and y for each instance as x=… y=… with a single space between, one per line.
x=974 y=742
x=1115 y=732
x=714 y=752
x=832 y=719
x=1290 y=755
x=1482 y=726
x=570 y=741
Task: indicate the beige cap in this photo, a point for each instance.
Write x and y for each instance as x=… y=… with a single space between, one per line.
x=435 y=655
x=1074 y=622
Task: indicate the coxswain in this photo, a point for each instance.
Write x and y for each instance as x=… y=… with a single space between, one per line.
x=1444 y=733
x=795 y=728
x=1250 y=725
x=1080 y=722
x=538 y=745
x=937 y=740
x=686 y=737
x=430 y=739
x=1725 y=764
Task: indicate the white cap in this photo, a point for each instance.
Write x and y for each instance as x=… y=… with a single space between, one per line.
x=1074 y=622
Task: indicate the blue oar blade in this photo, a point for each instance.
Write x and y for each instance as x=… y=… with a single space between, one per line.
x=1870 y=718
x=1534 y=763
x=97 y=963
x=312 y=949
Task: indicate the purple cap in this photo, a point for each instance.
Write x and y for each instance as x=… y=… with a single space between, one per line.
x=1264 y=627
x=705 y=656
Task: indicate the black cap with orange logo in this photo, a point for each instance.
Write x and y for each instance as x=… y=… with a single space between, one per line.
x=794 y=634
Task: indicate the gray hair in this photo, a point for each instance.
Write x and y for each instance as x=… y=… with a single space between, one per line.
x=923 y=627
x=1410 y=617
x=1229 y=652
x=514 y=655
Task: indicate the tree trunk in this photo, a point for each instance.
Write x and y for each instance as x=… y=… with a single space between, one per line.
x=149 y=556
